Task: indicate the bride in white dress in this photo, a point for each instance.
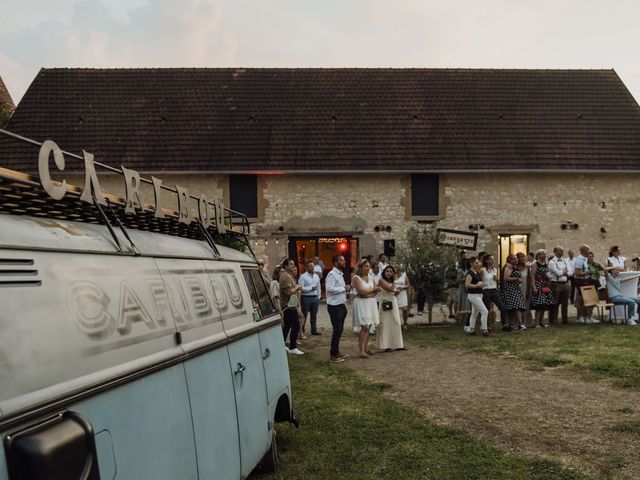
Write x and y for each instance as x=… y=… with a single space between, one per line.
x=389 y=335
x=365 y=309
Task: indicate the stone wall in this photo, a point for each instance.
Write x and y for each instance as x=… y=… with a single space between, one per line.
x=350 y=204
x=533 y=204
x=538 y=204
x=300 y=205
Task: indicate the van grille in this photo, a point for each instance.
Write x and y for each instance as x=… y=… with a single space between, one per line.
x=15 y=272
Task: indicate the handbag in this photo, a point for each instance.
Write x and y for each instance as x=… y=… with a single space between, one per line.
x=293 y=301
x=387 y=305
x=545 y=290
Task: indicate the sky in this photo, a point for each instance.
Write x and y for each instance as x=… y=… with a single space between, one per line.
x=318 y=33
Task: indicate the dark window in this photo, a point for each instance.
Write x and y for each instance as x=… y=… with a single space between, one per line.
x=260 y=298
x=424 y=194
x=243 y=194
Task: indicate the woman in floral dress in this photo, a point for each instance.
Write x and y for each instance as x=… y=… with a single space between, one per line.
x=541 y=296
x=512 y=295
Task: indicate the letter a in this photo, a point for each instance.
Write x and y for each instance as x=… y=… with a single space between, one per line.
x=91 y=184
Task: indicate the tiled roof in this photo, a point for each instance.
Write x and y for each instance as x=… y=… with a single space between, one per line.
x=5 y=98
x=231 y=119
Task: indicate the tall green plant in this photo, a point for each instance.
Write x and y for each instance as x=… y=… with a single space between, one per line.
x=428 y=264
x=5 y=115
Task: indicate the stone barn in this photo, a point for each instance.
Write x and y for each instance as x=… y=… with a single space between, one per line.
x=339 y=160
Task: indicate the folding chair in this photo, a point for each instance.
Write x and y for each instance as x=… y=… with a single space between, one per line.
x=590 y=299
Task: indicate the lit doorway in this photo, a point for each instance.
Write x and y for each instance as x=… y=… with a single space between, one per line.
x=511 y=244
x=302 y=249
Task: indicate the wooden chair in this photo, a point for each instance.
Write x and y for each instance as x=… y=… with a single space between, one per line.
x=590 y=299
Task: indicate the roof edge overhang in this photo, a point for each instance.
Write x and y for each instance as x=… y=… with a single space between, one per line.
x=339 y=172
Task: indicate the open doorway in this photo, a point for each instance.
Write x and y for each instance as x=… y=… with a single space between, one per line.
x=302 y=249
x=509 y=243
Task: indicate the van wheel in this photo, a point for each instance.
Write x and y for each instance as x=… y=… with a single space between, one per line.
x=269 y=462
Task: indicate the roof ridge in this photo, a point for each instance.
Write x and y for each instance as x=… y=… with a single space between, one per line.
x=381 y=69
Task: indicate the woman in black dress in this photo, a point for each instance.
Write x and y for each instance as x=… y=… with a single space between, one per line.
x=541 y=296
x=512 y=295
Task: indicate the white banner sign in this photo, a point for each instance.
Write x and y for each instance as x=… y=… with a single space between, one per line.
x=458 y=238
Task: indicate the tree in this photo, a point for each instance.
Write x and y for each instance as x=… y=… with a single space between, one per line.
x=5 y=115
x=428 y=264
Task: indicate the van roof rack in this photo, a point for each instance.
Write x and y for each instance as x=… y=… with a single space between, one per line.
x=23 y=194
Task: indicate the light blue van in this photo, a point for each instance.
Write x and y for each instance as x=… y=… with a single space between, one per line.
x=130 y=354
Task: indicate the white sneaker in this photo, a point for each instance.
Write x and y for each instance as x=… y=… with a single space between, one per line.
x=522 y=326
x=295 y=351
x=580 y=320
x=631 y=322
x=591 y=321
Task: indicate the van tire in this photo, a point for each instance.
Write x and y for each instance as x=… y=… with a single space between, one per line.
x=269 y=462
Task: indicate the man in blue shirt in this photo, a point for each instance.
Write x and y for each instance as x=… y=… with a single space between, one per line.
x=310 y=298
x=614 y=286
x=582 y=278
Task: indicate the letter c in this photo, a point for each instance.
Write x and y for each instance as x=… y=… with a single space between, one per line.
x=43 y=169
x=88 y=304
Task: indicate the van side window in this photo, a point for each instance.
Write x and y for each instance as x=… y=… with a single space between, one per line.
x=252 y=291
x=266 y=303
x=260 y=297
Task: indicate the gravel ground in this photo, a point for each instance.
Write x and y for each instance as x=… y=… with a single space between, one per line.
x=550 y=413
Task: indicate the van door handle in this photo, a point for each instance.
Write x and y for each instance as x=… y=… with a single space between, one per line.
x=240 y=368
x=266 y=353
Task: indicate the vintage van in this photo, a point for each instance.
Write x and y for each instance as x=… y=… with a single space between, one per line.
x=129 y=353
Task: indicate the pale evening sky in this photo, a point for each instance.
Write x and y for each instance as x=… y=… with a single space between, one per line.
x=318 y=33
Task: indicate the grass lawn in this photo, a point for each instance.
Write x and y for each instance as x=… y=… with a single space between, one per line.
x=351 y=431
x=596 y=351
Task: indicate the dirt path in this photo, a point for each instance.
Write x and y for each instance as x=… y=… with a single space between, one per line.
x=551 y=413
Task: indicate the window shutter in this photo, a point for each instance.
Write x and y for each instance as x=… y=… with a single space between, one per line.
x=425 y=194
x=243 y=194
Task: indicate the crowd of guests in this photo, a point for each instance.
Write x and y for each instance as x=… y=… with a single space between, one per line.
x=527 y=287
x=538 y=284
x=380 y=303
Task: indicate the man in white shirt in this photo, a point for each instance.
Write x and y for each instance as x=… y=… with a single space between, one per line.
x=560 y=285
x=318 y=266
x=571 y=259
x=337 y=305
x=382 y=262
x=376 y=273
x=309 y=281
